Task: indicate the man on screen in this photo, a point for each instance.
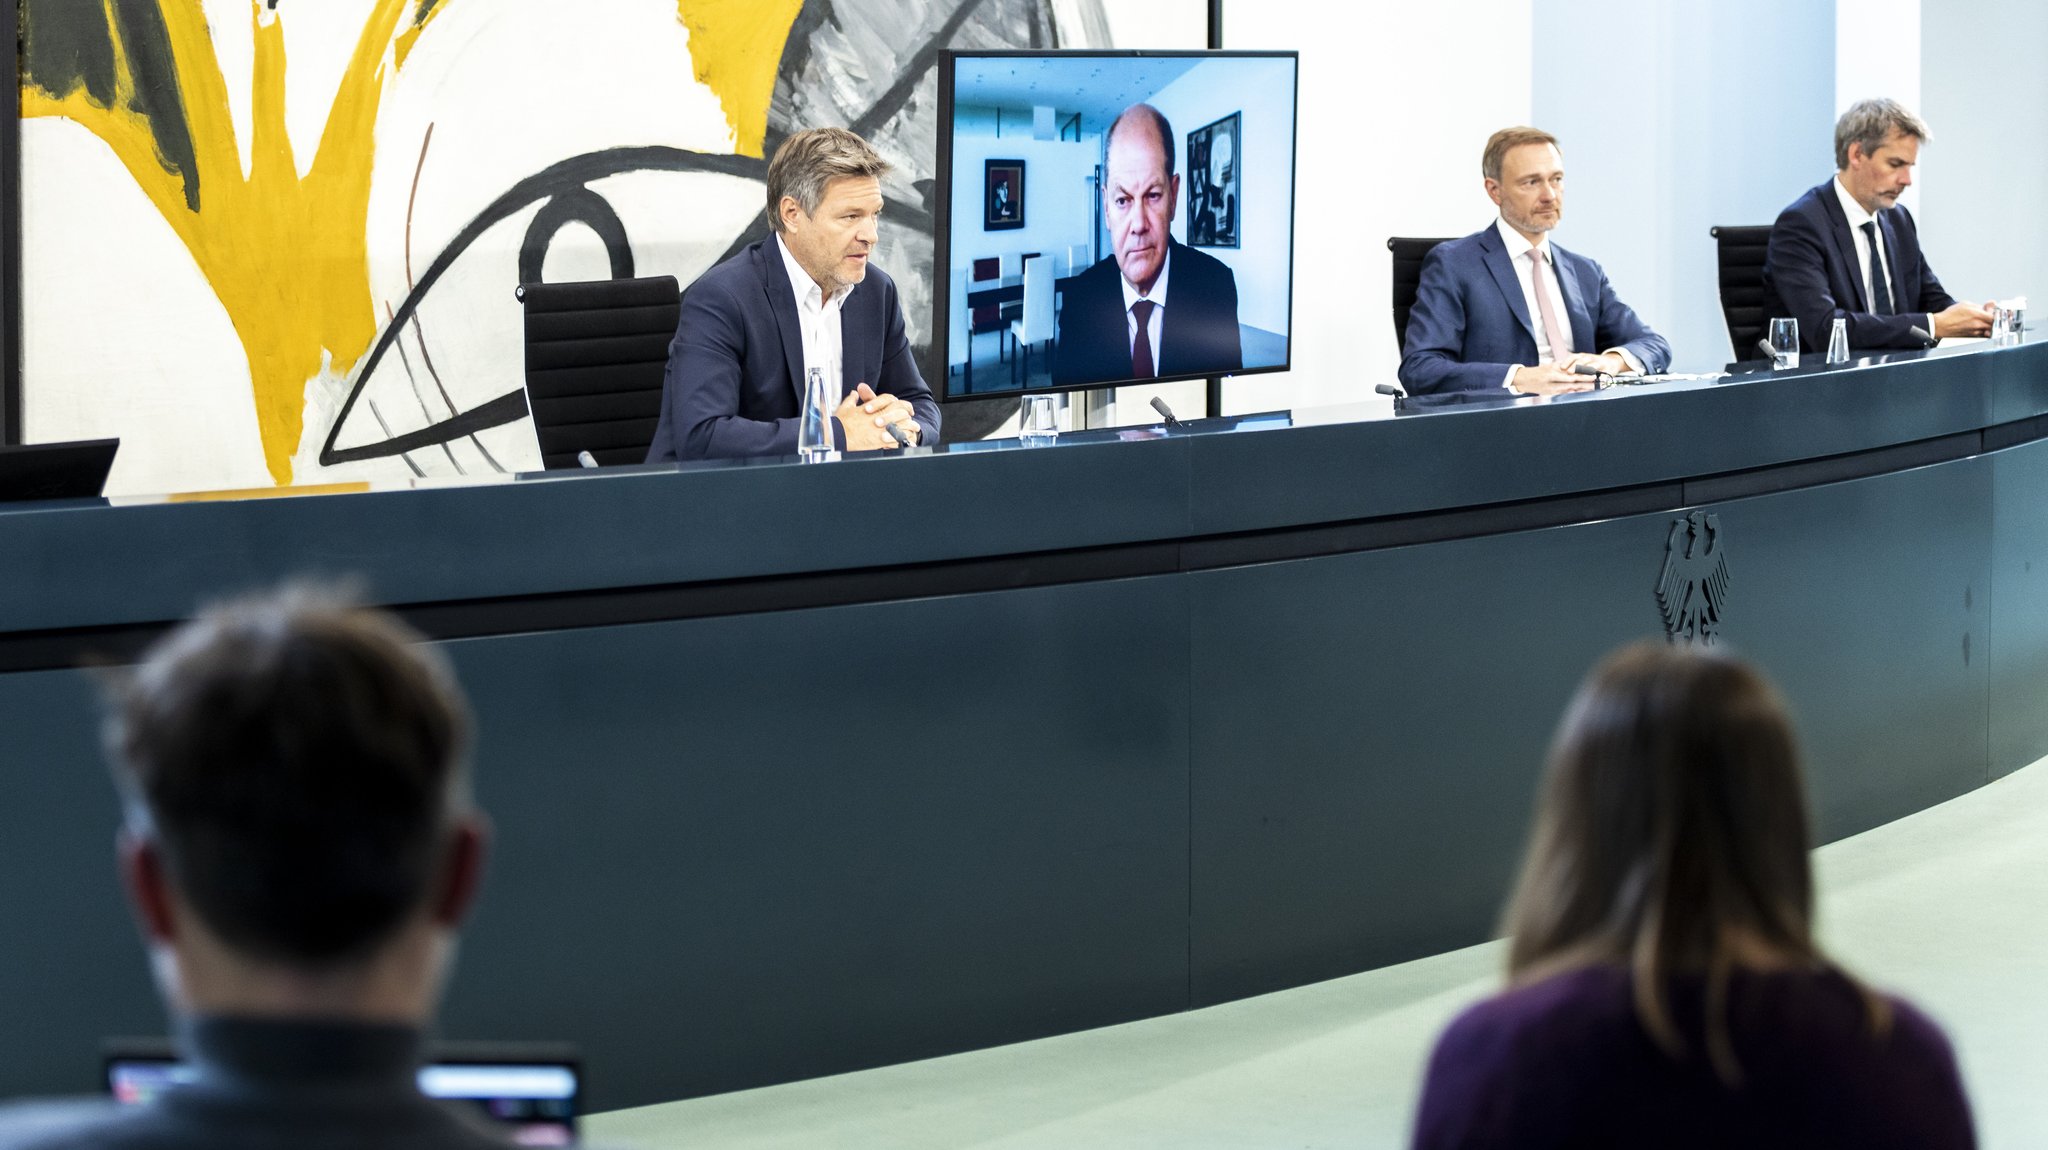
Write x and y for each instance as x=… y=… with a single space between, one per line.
x=1155 y=307
x=753 y=327
x=1846 y=249
x=1507 y=311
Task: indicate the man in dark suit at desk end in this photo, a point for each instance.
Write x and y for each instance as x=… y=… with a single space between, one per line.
x=807 y=297
x=1846 y=249
x=1119 y=320
x=1504 y=308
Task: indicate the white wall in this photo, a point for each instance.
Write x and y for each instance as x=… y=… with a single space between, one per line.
x=1877 y=53
x=1058 y=195
x=1390 y=135
x=1983 y=224
x=1258 y=89
x=1708 y=129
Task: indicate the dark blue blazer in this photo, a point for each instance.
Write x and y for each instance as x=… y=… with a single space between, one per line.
x=1811 y=266
x=1470 y=322
x=736 y=367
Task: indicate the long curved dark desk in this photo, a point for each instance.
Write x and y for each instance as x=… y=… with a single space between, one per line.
x=802 y=769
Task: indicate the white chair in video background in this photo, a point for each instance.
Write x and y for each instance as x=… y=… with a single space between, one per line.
x=1035 y=325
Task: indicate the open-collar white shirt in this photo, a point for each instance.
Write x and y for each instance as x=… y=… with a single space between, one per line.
x=817 y=317
x=1518 y=247
x=1864 y=256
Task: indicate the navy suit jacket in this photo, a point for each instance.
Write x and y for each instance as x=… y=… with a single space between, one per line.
x=1471 y=322
x=736 y=367
x=1811 y=266
x=1198 y=331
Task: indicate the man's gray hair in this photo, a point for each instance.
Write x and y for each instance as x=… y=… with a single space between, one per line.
x=810 y=160
x=1869 y=123
x=1151 y=116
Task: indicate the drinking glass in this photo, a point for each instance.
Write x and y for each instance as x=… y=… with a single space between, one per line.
x=1838 y=341
x=1784 y=343
x=1038 y=421
x=814 y=428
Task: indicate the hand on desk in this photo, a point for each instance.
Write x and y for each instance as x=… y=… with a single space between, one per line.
x=1962 y=319
x=1553 y=378
x=865 y=417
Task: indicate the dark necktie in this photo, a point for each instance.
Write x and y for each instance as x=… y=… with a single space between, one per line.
x=1880 y=291
x=1141 y=345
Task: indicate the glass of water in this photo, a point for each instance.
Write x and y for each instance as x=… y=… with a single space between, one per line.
x=1784 y=343
x=1038 y=421
x=814 y=425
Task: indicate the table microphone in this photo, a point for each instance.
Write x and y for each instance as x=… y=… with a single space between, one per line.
x=896 y=433
x=585 y=459
x=1159 y=405
x=1399 y=397
x=1920 y=333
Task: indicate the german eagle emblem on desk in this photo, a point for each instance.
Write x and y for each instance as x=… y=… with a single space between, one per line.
x=1693 y=591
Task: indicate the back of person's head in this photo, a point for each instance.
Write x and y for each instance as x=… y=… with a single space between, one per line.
x=296 y=763
x=1671 y=834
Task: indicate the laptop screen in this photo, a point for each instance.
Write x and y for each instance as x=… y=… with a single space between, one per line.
x=537 y=1097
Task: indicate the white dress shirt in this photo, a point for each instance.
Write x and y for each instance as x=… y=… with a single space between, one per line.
x=817 y=317
x=1857 y=218
x=1525 y=272
x=1158 y=297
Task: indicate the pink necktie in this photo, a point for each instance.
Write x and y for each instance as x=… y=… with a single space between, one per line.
x=1560 y=340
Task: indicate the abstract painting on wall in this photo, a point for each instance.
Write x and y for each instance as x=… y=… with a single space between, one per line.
x=1215 y=191
x=276 y=241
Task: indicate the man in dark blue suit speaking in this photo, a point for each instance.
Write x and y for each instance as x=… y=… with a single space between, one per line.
x=1846 y=249
x=1505 y=308
x=753 y=327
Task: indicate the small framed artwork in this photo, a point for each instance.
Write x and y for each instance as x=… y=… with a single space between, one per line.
x=1215 y=183
x=1002 y=196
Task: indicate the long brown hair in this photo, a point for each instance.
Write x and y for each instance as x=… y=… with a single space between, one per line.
x=1671 y=836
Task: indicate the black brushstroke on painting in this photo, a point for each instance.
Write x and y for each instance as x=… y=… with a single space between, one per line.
x=67 y=45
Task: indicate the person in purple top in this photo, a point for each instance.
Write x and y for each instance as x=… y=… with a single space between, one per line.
x=1665 y=988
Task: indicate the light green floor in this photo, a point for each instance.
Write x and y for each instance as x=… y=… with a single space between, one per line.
x=1948 y=907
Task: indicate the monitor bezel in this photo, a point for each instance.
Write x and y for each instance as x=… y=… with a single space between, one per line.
x=942 y=214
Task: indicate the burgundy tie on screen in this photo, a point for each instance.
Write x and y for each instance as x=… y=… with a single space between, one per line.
x=1560 y=342
x=1141 y=346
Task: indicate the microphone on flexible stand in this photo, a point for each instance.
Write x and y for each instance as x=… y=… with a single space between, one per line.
x=1159 y=405
x=896 y=433
x=1920 y=333
x=1399 y=397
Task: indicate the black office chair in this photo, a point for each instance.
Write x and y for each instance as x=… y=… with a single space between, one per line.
x=595 y=355
x=1746 y=301
x=1408 y=255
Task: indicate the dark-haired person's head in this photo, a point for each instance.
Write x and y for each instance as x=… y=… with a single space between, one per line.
x=298 y=834
x=1671 y=835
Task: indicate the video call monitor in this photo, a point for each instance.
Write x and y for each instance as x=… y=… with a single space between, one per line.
x=1058 y=238
x=535 y=1091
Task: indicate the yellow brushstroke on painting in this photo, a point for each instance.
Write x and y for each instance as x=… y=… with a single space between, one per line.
x=736 y=47
x=286 y=254
x=406 y=39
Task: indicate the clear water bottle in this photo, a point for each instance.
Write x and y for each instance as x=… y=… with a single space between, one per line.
x=1838 y=341
x=814 y=426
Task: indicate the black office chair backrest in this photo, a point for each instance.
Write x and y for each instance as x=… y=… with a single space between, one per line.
x=1746 y=301
x=595 y=355
x=1409 y=252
